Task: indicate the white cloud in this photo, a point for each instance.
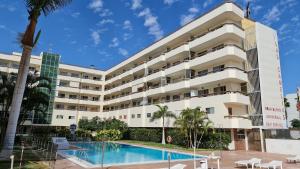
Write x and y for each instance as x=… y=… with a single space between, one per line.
x=207 y=2
x=127 y=36
x=95 y=35
x=272 y=15
x=169 y=2
x=127 y=25
x=184 y=19
x=105 y=21
x=152 y=24
x=136 y=4
x=10 y=8
x=105 y=12
x=123 y=52
x=96 y=5
x=114 y=43
x=75 y=14
x=73 y=42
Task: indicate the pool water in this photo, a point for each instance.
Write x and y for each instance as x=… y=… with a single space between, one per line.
x=118 y=154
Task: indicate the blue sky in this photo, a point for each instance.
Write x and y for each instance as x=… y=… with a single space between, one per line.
x=105 y=32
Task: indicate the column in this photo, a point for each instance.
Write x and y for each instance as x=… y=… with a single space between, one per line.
x=246 y=140
x=262 y=141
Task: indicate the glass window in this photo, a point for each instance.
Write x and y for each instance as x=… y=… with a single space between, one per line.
x=148 y=115
x=138 y=115
x=229 y=111
x=71 y=117
x=203 y=93
x=218 y=68
x=203 y=72
x=210 y=110
x=133 y=116
x=72 y=96
x=59 y=116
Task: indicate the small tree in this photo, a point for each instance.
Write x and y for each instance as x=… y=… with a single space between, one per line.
x=161 y=114
x=295 y=123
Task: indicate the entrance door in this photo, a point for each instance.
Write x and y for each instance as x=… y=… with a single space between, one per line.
x=239 y=139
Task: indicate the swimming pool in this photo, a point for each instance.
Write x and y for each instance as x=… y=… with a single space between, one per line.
x=123 y=154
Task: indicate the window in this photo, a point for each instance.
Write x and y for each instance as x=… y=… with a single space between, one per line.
x=176 y=97
x=84 y=98
x=230 y=111
x=218 y=68
x=203 y=72
x=240 y=134
x=202 y=53
x=97 y=88
x=210 y=110
x=71 y=117
x=59 y=106
x=71 y=107
x=72 y=96
x=120 y=117
x=85 y=76
x=95 y=98
x=203 y=93
x=133 y=116
x=96 y=78
x=138 y=115
x=124 y=116
x=59 y=116
x=82 y=108
x=74 y=75
x=61 y=95
x=187 y=95
x=220 y=90
x=64 y=83
x=148 y=115
x=244 y=88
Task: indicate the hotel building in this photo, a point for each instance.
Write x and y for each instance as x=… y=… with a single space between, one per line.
x=293 y=110
x=222 y=62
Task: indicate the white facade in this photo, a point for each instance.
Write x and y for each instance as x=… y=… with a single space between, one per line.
x=204 y=64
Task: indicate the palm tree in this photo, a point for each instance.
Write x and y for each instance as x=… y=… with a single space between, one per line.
x=36 y=98
x=34 y=8
x=161 y=114
x=193 y=122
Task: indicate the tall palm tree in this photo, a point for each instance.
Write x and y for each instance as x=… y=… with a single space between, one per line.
x=34 y=8
x=161 y=114
x=36 y=98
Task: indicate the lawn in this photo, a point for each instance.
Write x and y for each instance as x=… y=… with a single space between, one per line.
x=159 y=145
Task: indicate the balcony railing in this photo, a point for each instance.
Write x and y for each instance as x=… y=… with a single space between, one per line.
x=185 y=61
x=183 y=79
x=182 y=98
x=184 y=43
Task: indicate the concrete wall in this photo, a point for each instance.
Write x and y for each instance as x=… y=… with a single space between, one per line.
x=283 y=146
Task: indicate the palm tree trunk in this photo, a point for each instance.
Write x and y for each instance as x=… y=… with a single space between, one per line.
x=163 y=141
x=16 y=102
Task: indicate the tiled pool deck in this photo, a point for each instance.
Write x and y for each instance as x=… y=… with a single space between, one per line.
x=227 y=162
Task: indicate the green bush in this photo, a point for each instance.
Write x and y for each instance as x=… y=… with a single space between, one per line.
x=215 y=140
x=144 y=134
x=178 y=137
x=108 y=135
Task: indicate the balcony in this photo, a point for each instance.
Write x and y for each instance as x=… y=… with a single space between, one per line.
x=177 y=51
x=154 y=91
x=155 y=75
x=226 y=31
x=229 y=73
x=68 y=78
x=177 y=85
x=66 y=100
x=156 y=60
x=68 y=89
x=229 y=51
x=176 y=68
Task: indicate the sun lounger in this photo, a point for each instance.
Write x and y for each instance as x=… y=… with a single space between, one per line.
x=293 y=159
x=247 y=163
x=177 y=166
x=273 y=164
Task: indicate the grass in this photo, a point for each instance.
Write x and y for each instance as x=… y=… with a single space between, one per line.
x=159 y=145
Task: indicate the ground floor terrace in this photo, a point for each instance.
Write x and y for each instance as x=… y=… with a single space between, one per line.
x=227 y=161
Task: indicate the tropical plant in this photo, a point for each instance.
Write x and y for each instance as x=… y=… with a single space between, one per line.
x=34 y=8
x=295 y=123
x=162 y=113
x=193 y=123
x=35 y=100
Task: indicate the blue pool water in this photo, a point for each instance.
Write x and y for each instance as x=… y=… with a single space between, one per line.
x=118 y=154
